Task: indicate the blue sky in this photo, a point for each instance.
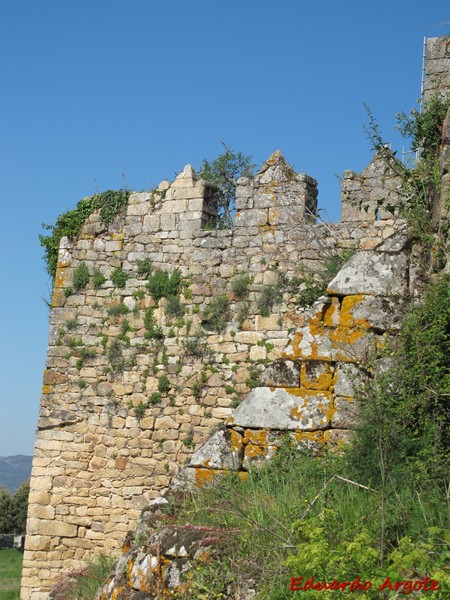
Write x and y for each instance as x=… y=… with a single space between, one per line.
x=98 y=93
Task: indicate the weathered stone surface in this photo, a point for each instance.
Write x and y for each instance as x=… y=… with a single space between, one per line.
x=278 y=409
x=113 y=433
x=282 y=373
x=379 y=274
x=218 y=453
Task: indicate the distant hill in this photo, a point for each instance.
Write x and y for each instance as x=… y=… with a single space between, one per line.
x=14 y=470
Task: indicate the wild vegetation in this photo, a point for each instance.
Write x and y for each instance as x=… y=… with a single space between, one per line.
x=109 y=204
x=13 y=509
x=10 y=574
x=224 y=171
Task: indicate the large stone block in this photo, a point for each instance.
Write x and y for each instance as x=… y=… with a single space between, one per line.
x=218 y=453
x=279 y=409
x=375 y=273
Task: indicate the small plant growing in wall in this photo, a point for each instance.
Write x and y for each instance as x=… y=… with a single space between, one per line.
x=269 y=296
x=144 y=268
x=215 y=315
x=98 y=279
x=161 y=285
x=118 y=309
x=115 y=356
x=139 y=410
x=155 y=398
x=164 y=385
x=80 y=277
x=153 y=331
x=174 y=307
x=189 y=440
x=197 y=389
x=119 y=278
x=195 y=345
x=239 y=286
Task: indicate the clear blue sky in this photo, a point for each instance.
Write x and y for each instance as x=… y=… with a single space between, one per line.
x=93 y=89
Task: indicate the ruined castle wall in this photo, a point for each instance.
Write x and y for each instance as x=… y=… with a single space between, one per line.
x=437 y=66
x=127 y=395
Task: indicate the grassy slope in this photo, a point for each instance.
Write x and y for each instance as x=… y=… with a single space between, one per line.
x=10 y=573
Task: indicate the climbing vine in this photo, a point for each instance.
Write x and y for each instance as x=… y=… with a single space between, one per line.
x=109 y=204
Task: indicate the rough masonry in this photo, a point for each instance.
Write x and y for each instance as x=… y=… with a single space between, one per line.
x=134 y=387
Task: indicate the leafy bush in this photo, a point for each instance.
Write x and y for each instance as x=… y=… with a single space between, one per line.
x=425 y=128
x=118 y=309
x=174 y=308
x=155 y=398
x=161 y=285
x=195 y=345
x=83 y=584
x=224 y=172
x=110 y=204
x=80 y=277
x=153 y=331
x=239 y=286
x=119 y=277
x=215 y=315
x=115 y=356
x=164 y=385
x=411 y=399
x=144 y=268
x=269 y=296
x=98 y=279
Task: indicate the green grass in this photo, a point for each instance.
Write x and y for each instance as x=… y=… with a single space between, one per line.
x=10 y=574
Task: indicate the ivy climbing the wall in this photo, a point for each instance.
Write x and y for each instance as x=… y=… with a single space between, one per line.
x=109 y=204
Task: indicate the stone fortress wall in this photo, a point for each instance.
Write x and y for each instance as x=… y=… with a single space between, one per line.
x=132 y=394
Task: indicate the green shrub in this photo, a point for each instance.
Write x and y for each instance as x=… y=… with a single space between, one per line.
x=115 y=356
x=164 y=385
x=144 y=268
x=155 y=398
x=174 y=308
x=216 y=314
x=80 y=277
x=153 y=331
x=161 y=285
x=195 y=345
x=85 y=583
x=118 y=309
x=197 y=389
x=119 y=277
x=98 y=279
x=268 y=297
x=139 y=410
x=110 y=204
x=239 y=286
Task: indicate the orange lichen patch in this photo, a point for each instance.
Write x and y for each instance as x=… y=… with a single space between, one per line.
x=229 y=421
x=316 y=375
x=53 y=377
x=203 y=476
x=256 y=436
x=117 y=592
x=348 y=304
x=62 y=277
x=255 y=451
x=58 y=298
x=118 y=236
x=310 y=436
x=236 y=441
x=47 y=389
x=331 y=314
x=312 y=404
x=345 y=335
x=316 y=323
